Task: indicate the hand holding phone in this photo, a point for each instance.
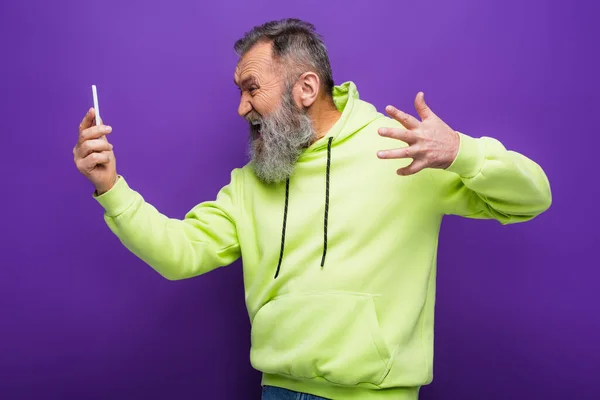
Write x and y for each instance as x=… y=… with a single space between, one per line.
x=93 y=154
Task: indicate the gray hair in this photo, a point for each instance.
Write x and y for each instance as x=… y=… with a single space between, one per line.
x=296 y=42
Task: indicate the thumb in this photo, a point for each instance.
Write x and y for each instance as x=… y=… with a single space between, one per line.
x=421 y=107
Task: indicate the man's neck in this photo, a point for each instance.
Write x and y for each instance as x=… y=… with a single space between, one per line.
x=324 y=115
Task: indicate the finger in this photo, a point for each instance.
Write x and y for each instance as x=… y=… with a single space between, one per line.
x=407 y=120
x=400 y=134
x=404 y=152
x=87 y=120
x=92 y=160
x=94 y=132
x=421 y=107
x=98 y=118
x=93 y=145
x=413 y=168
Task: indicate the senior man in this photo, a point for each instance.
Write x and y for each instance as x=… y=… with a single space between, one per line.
x=336 y=217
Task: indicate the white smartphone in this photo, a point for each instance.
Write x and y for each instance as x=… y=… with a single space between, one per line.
x=96 y=108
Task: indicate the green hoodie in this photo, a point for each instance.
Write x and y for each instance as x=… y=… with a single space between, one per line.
x=340 y=261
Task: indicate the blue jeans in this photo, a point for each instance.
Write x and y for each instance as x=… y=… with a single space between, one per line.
x=276 y=393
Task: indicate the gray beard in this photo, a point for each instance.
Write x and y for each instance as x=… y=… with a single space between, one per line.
x=278 y=140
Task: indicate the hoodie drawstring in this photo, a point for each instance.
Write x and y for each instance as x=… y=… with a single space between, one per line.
x=326 y=218
x=326 y=201
x=287 y=196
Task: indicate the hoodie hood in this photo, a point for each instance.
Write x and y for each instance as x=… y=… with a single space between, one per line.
x=356 y=114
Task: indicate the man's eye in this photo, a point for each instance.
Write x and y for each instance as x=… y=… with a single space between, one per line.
x=252 y=89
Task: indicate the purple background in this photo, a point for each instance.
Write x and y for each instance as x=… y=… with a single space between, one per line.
x=81 y=317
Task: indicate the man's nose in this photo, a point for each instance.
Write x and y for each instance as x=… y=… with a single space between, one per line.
x=244 y=108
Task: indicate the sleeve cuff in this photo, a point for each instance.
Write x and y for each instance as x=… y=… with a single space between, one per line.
x=118 y=199
x=470 y=157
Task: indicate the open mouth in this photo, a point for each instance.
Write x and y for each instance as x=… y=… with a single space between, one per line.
x=255 y=127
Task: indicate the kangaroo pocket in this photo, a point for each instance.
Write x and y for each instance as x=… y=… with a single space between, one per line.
x=335 y=336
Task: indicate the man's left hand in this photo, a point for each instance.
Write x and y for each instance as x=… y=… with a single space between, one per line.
x=431 y=143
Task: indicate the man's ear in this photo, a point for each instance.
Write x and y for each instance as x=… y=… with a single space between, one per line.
x=307 y=89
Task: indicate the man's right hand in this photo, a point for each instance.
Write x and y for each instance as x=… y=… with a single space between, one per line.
x=93 y=154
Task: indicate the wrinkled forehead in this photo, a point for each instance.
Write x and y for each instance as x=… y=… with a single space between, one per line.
x=257 y=62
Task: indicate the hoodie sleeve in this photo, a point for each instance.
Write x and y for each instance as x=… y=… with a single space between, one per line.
x=177 y=249
x=487 y=181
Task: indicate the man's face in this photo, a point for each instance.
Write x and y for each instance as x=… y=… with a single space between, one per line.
x=279 y=129
x=260 y=80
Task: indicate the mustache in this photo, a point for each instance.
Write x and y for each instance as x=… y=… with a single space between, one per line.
x=253 y=117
